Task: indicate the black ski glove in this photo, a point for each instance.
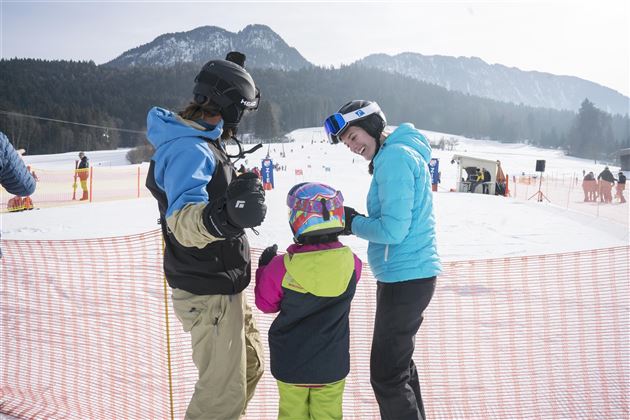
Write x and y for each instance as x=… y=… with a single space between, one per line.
x=350 y=214
x=242 y=206
x=267 y=255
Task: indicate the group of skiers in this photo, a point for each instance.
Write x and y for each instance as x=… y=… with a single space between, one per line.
x=601 y=187
x=205 y=207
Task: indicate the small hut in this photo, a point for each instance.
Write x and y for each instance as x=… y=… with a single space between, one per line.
x=467 y=169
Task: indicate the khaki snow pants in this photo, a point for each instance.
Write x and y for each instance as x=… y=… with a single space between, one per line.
x=226 y=349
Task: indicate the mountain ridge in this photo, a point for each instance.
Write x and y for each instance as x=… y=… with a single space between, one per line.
x=474 y=76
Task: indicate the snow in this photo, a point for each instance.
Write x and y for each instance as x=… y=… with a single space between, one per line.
x=469 y=226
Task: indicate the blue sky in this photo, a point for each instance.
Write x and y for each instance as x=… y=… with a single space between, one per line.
x=587 y=39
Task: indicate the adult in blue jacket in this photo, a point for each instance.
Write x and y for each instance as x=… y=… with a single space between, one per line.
x=204 y=208
x=14 y=176
x=400 y=228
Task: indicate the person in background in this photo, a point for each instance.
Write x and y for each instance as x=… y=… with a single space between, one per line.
x=14 y=175
x=21 y=203
x=589 y=186
x=402 y=250
x=476 y=179
x=606 y=181
x=501 y=181
x=487 y=178
x=621 y=186
x=204 y=210
x=27 y=201
x=311 y=286
x=83 y=173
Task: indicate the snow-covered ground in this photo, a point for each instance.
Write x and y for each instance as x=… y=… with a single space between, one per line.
x=469 y=226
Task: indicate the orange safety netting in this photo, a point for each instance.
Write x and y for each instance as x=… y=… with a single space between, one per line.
x=87 y=332
x=58 y=187
x=569 y=191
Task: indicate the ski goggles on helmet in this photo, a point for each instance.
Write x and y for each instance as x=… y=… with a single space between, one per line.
x=310 y=205
x=337 y=123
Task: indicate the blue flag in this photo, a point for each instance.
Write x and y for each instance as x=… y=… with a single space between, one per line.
x=434 y=169
x=267 y=172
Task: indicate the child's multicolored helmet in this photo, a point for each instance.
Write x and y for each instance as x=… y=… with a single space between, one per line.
x=315 y=209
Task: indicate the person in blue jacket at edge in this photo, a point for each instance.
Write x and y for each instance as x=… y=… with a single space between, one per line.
x=14 y=175
x=204 y=208
x=402 y=252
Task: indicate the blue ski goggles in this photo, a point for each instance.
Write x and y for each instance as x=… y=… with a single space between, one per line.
x=337 y=123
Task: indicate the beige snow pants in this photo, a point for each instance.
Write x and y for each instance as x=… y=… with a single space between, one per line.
x=226 y=349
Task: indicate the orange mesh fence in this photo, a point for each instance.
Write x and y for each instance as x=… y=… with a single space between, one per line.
x=58 y=187
x=88 y=332
x=568 y=191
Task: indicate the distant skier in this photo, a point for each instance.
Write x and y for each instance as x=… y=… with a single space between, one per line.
x=606 y=181
x=621 y=186
x=83 y=173
x=477 y=178
x=487 y=178
x=311 y=286
x=589 y=186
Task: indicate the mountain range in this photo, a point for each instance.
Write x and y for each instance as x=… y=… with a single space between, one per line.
x=473 y=76
x=470 y=75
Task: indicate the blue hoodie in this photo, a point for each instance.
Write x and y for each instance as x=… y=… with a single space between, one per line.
x=182 y=150
x=400 y=225
x=183 y=166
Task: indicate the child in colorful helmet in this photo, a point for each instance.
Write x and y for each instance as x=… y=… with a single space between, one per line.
x=311 y=286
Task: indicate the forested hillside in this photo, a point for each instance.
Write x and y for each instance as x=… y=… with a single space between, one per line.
x=104 y=96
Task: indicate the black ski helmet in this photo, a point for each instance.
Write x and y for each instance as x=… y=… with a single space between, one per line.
x=373 y=124
x=229 y=86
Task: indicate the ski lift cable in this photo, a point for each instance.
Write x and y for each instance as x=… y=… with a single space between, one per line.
x=124 y=130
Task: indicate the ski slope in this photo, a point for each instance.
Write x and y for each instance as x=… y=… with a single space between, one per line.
x=469 y=226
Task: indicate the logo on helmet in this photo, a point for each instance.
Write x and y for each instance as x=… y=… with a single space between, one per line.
x=248 y=103
x=360 y=113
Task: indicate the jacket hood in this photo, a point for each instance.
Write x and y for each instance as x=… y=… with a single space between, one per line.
x=164 y=125
x=409 y=135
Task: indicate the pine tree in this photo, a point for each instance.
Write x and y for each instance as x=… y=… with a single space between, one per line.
x=266 y=126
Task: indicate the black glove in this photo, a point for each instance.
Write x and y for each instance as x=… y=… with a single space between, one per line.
x=243 y=206
x=350 y=214
x=267 y=255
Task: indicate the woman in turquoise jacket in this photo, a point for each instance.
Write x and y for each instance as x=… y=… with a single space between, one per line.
x=400 y=228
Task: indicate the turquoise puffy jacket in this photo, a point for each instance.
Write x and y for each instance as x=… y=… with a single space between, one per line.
x=400 y=225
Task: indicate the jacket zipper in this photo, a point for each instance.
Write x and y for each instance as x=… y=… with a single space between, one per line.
x=386 y=252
